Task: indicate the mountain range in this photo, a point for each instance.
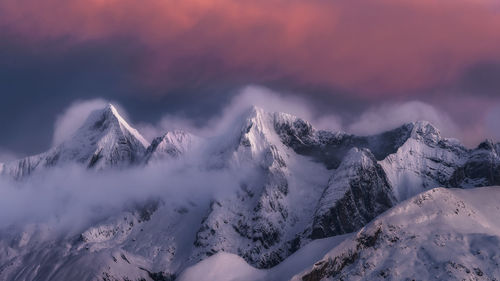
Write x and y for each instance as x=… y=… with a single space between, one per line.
x=313 y=205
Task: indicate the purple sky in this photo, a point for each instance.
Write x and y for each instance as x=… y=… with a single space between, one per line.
x=346 y=58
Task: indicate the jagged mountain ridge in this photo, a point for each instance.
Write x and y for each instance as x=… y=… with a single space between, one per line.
x=272 y=215
x=171 y=145
x=104 y=140
x=359 y=192
x=261 y=217
x=440 y=234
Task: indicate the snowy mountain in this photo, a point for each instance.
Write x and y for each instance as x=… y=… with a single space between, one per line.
x=104 y=140
x=170 y=145
x=356 y=193
x=262 y=222
x=424 y=161
x=441 y=234
x=297 y=189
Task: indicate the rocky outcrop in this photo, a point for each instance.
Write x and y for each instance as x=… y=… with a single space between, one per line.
x=426 y=160
x=440 y=234
x=357 y=193
x=331 y=147
x=482 y=167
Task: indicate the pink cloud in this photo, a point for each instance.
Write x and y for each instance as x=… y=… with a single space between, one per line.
x=376 y=48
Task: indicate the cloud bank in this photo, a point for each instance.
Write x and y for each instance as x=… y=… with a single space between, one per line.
x=71 y=198
x=252 y=95
x=493 y=123
x=375 y=48
x=373 y=120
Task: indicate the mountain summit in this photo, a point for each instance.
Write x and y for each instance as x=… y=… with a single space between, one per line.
x=105 y=139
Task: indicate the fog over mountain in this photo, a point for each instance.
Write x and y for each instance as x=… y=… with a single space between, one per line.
x=263 y=140
x=257 y=194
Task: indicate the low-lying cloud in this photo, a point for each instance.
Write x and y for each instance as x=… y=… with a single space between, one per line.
x=391 y=115
x=493 y=123
x=252 y=95
x=73 y=197
x=375 y=119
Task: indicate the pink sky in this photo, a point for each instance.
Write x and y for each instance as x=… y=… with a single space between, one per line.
x=373 y=48
x=347 y=56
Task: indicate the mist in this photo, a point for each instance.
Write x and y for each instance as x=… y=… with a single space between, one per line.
x=375 y=119
x=72 y=197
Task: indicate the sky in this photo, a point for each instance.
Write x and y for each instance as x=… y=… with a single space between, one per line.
x=379 y=62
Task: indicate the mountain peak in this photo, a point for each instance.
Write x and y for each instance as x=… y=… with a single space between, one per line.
x=424 y=130
x=264 y=123
x=487 y=144
x=109 y=119
x=110 y=107
x=111 y=110
x=255 y=113
x=171 y=144
x=104 y=135
x=258 y=113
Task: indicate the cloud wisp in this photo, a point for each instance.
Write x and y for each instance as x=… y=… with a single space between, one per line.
x=375 y=119
x=71 y=198
x=391 y=115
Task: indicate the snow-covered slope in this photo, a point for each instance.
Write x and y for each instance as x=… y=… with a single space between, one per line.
x=264 y=219
x=441 y=234
x=357 y=192
x=424 y=161
x=295 y=184
x=222 y=267
x=149 y=241
x=171 y=145
x=231 y=267
x=104 y=140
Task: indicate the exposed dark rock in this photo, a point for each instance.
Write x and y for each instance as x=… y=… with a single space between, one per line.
x=482 y=168
x=367 y=194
